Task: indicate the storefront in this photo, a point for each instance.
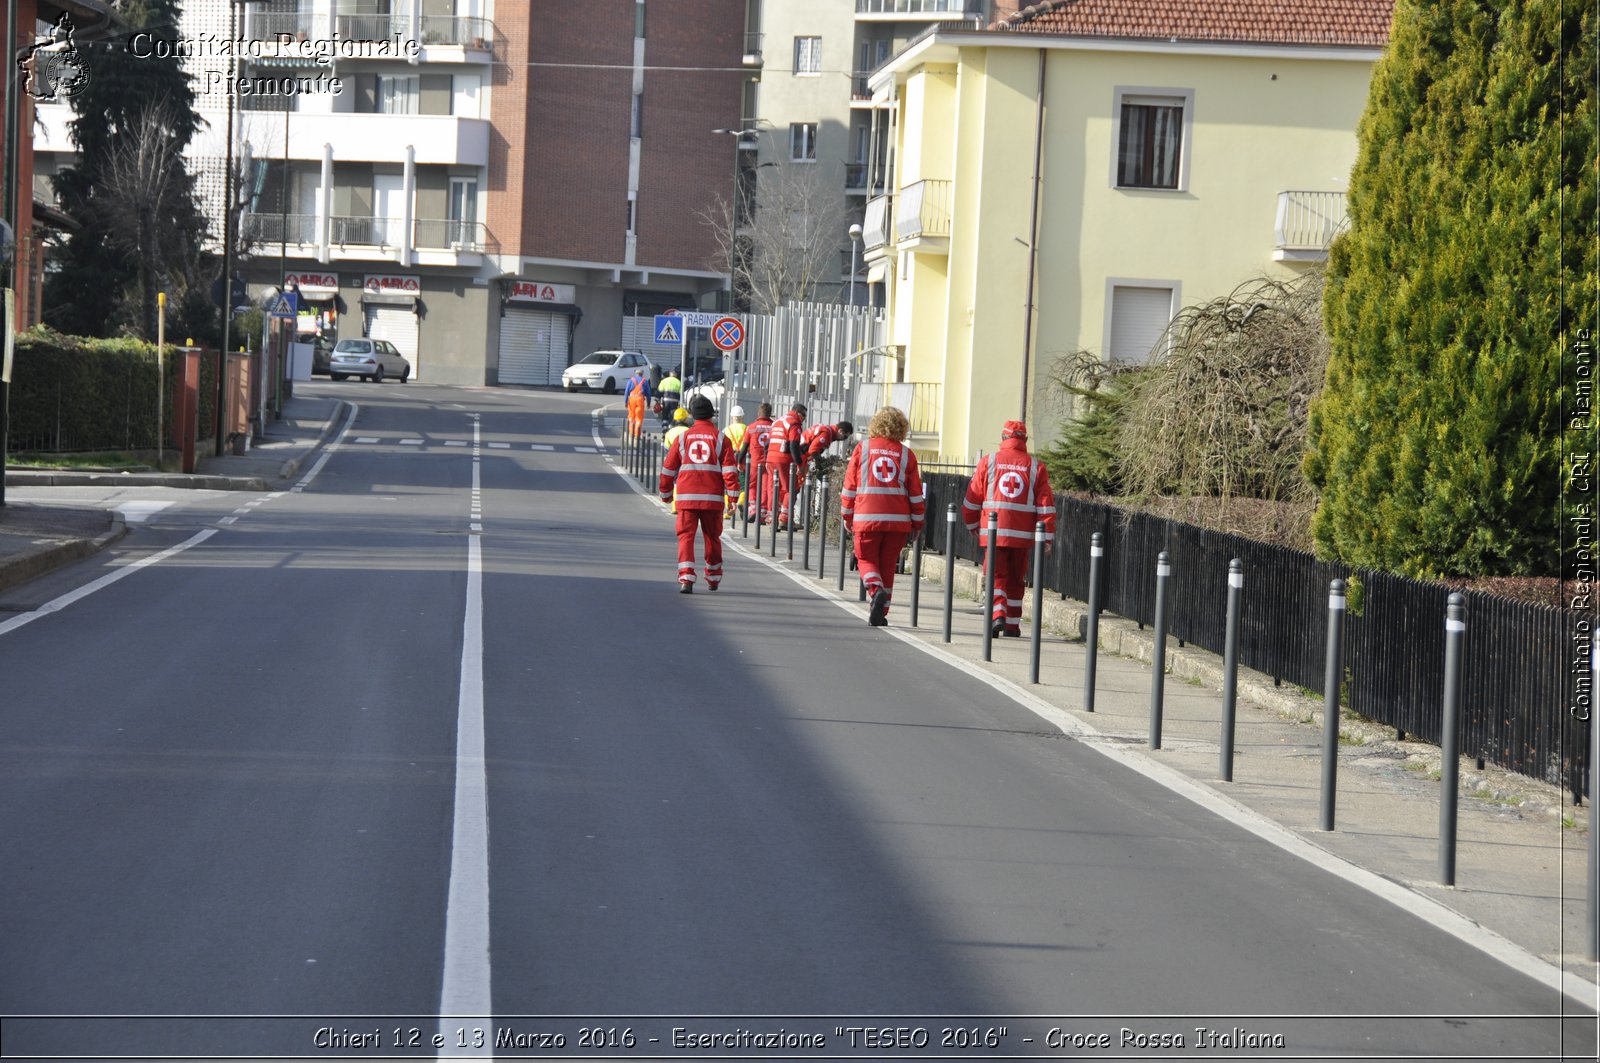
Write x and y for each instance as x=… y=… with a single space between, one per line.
x=319 y=304
x=536 y=332
x=389 y=309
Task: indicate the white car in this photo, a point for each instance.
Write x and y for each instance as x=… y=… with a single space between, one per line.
x=368 y=359
x=604 y=371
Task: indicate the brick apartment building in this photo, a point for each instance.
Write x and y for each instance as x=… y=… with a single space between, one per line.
x=494 y=186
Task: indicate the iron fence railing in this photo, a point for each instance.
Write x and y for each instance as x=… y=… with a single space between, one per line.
x=923 y=209
x=1308 y=221
x=449 y=234
x=947 y=8
x=270 y=228
x=467 y=31
x=1515 y=694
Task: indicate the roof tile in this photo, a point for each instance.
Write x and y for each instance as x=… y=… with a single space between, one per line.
x=1359 y=23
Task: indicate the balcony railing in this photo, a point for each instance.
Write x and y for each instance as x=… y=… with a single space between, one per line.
x=858 y=85
x=346 y=229
x=273 y=228
x=370 y=27
x=1307 y=222
x=275 y=25
x=449 y=234
x=913 y=8
x=923 y=405
x=458 y=30
x=752 y=46
x=875 y=224
x=923 y=211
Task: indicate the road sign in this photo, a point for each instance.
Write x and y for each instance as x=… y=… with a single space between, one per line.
x=669 y=329
x=727 y=333
x=287 y=305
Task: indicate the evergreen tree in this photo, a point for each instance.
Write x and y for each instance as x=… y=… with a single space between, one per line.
x=1468 y=265
x=128 y=187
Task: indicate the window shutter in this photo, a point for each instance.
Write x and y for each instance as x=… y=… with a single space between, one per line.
x=1138 y=318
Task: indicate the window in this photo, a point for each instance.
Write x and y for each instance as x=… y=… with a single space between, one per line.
x=1139 y=313
x=463 y=210
x=808 y=55
x=1152 y=131
x=803 y=141
x=394 y=95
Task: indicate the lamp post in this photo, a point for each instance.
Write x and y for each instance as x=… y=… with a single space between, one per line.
x=855 y=248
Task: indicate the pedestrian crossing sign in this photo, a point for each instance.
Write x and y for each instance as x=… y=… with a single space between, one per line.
x=287 y=305
x=668 y=329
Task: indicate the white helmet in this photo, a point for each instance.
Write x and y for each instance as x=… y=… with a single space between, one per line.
x=738 y=411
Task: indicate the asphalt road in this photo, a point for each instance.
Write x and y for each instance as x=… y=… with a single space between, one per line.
x=241 y=781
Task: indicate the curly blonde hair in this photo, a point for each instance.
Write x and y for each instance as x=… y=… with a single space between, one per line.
x=889 y=423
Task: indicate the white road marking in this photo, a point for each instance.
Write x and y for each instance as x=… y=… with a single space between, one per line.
x=499 y=446
x=541 y=446
x=411 y=442
x=365 y=439
x=586 y=450
x=465 y=990
x=57 y=604
x=227 y=520
x=139 y=512
x=1424 y=908
x=328 y=451
x=455 y=442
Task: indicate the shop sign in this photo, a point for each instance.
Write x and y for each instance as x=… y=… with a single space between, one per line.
x=540 y=292
x=392 y=284
x=313 y=285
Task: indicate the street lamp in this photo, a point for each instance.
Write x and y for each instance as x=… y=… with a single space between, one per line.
x=855 y=247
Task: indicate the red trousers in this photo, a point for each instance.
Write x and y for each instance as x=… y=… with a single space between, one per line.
x=778 y=501
x=1010 y=566
x=877 y=554
x=708 y=521
x=759 y=481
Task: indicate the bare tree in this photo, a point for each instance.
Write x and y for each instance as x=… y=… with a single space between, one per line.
x=783 y=242
x=141 y=199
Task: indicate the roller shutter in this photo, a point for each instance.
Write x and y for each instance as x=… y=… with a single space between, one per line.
x=534 y=346
x=398 y=325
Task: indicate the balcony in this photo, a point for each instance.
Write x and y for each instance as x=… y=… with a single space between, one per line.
x=450 y=234
x=752 y=50
x=466 y=33
x=922 y=403
x=435 y=241
x=437 y=138
x=922 y=216
x=875 y=226
x=907 y=10
x=457 y=31
x=278 y=25
x=280 y=230
x=1306 y=224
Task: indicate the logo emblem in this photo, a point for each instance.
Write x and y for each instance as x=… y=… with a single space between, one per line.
x=1012 y=484
x=699 y=451
x=53 y=67
x=885 y=469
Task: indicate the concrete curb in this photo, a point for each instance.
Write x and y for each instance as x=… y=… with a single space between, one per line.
x=20 y=569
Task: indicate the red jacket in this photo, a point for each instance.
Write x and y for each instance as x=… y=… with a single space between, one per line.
x=757 y=438
x=785 y=439
x=701 y=465
x=1013 y=484
x=882 y=488
x=815 y=440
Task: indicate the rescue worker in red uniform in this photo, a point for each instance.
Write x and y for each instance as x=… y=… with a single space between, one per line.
x=1014 y=485
x=814 y=441
x=784 y=458
x=754 y=450
x=701 y=467
x=883 y=505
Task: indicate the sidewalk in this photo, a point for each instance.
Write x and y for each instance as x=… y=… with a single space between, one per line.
x=36 y=538
x=1521 y=871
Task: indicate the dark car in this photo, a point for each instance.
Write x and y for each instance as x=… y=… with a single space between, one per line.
x=321 y=351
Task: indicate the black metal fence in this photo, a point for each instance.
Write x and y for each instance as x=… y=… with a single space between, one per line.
x=1516 y=683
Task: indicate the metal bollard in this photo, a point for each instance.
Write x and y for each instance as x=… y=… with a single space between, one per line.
x=788 y=512
x=1455 y=632
x=1158 y=656
x=1092 y=640
x=949 y=567
x=772 y=489
x=822 y=539
x=805 y=556
x=744 y=504
x=916 y=572
x=991 y=538
x=844 y=553
x=1330 y=693
x=1038 y=596
x=1230 y=666
x=758 y=474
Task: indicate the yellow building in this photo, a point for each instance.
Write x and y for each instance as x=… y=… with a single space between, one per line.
x=1129 y=157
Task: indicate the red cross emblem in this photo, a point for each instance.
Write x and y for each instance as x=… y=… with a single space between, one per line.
x=1012 y=484
x=885 y=469
x=699 y=451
